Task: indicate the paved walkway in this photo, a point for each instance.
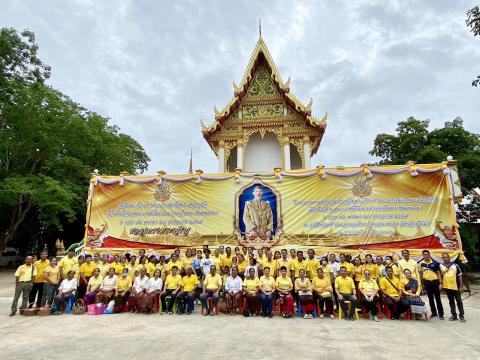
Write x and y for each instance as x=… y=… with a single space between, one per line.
x=131 y=336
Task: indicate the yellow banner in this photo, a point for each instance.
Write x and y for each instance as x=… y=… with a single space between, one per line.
x=376 y=209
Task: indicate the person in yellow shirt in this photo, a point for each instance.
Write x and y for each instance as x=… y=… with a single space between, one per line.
x=187 y=261
x=327 y=269
x=389 y=262
x=172 y=287
x=311 y=264
x=162 y=266
x=392 y=292
x=381 y=267
x=86 y=272
x=271 y=263
x=284 y=287
x=368 y=288
x=67 y=263
x=348 y=266
x=94 y=283
x=297 y=265
x=431 y=280
x=104 y=265
x=357 y=273
x=23 y=284
x=345 y=289
x=39 y=280
x=267 y=290
x=187 y=293
x=241 y=265
x=323 y=292
x=250 y=288
x=453 y=285
x=227 y=260
x=212 y=285
x=217 y=259
x=371 y=267
x=407 y=263
x=52 y=275
x=122 y=290
x=303 y=288
x=116 y=265
x=150 y=266
x=283 y=261
x=173 y=261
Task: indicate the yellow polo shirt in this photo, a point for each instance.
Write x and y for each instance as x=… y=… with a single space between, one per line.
x=104 y=269
x=251 y=284
x=173 y=282
x=320 y=285
x=450 y=276
x=327 y=270
x=212 y=282
x=186 y=262
x=286 y=263
x=226 y=261
x=151 y=269
x=357 y=272
x=296 y=266
x=162 y=268
x=369 y=286
x=95 y=283
x=241 y=266
x=267 y=284
x=53 y=274
x=86 y=269
x=427 y=273
x=284 y=283
x=190 y=283
x=345 y=285
x=347 y=265
x=171 y=264
x=389 y=289
x=40 y=266
x=218 y=261
x=24 y=272
x=311 y=267
x=374 y=271
x=67 y=264
x=123 y=284
x=270 y=264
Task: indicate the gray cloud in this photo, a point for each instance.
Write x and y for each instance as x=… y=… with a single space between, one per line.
x=157 y=68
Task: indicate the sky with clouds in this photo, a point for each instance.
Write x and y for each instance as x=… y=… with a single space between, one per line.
x=157 y=67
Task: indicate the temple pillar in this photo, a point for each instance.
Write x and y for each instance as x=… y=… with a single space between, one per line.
x=221 y=157
x=286 y=153
x=307 y=151
x=240 y=154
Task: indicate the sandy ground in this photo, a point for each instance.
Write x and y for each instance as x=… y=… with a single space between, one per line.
x=132 y=336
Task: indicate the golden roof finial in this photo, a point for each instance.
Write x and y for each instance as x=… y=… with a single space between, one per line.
x=190 y=167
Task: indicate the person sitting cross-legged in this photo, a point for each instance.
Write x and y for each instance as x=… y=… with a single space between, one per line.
x=233 y=290
x=173 y=284
x=345 y=289
x=392 y=291
x=65 y=291
x=212 y=285
x=369 y=289
x=187 y=294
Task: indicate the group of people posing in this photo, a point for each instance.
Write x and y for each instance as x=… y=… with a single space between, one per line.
x=244 y=281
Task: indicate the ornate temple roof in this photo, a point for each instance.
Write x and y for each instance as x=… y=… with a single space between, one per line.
x=261 y=55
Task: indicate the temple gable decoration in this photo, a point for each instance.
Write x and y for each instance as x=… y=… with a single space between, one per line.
x=264 y=125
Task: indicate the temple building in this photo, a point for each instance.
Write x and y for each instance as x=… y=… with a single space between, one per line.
x=264 y=125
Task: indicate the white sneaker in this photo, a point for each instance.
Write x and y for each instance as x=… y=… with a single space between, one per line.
x=321 y=316
x=332 y=317
x=305 y=316
x=375 y=318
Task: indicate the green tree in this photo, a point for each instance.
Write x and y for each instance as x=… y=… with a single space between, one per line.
x=49 y=145
x=415 y=142
x=473 y=22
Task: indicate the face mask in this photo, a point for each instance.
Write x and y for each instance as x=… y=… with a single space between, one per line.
x=389 y=261
x=124 y=275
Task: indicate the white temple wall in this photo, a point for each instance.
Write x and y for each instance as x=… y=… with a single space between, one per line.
x=263 y=154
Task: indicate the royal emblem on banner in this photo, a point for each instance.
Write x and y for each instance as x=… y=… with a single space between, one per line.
x=163 y=192
x=361 y=187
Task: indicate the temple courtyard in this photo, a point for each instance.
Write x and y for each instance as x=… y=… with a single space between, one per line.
x=130 y=336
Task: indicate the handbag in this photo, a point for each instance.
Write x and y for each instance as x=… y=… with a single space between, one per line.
x=326 y=294
x=78 y=307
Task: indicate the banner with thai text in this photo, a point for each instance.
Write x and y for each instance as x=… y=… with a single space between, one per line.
x=383 y=208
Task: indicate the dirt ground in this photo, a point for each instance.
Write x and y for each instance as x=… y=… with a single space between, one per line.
x=136 y=336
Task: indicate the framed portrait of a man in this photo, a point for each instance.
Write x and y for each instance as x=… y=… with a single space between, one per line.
x=257 y=221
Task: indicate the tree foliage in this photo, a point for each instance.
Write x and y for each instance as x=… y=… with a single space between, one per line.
x=415 y=142
x=473 y=23
x=49 y=145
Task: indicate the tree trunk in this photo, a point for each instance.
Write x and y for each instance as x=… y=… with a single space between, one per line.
x=18 y=215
